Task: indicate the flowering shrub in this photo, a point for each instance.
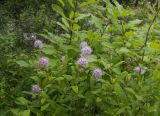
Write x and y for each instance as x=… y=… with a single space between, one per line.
x=101 y=61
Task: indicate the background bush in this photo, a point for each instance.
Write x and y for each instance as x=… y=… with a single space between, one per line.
x=122 y=38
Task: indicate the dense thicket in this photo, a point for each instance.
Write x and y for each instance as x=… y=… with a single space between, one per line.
x=79 y=58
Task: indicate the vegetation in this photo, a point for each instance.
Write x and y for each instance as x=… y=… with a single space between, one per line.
x=79 y=58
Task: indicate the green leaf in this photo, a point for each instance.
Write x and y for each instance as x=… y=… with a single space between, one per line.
x=58 y=9
x=75 y=89
x=121 y=110
x=130 y=34
x=87 y=3
x=65 y=22
x=49 y=50
x=134 y=23
x=53 y=62
x=61 y=1
x=155 y=44
x=152 y=109
x=71 y=3
x=117 y=70
x=156 y=74
x=59 y=78
x=76 y=27
x=97 y=21
x=92 y=58
x=15 y=111
x=35 y=78
x=71 y=15
x=21 y=101
x=22 y=63
x=119 y=63
x=123 y=50
x=63 y=26
x=43 y=100
x=82 y=16
x=26 y=113
x=44 y=107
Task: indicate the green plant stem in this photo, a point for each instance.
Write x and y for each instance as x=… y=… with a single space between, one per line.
x=72 y=23
x=103 y=32
x=147 y=35
x=123 y=32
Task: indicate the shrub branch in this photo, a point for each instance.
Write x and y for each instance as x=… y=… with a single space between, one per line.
x=147 y=35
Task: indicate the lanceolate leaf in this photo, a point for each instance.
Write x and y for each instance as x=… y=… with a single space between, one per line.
x=58 y=9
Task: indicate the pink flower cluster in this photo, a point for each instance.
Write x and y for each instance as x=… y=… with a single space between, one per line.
x=85 y=52
x=38 y=44
x=82 y=61
x=97 y=73
x=85 y=49
x=43 y=61
x=36 y=89
x=139 y=70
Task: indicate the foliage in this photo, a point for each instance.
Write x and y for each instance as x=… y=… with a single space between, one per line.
x=121 y=39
